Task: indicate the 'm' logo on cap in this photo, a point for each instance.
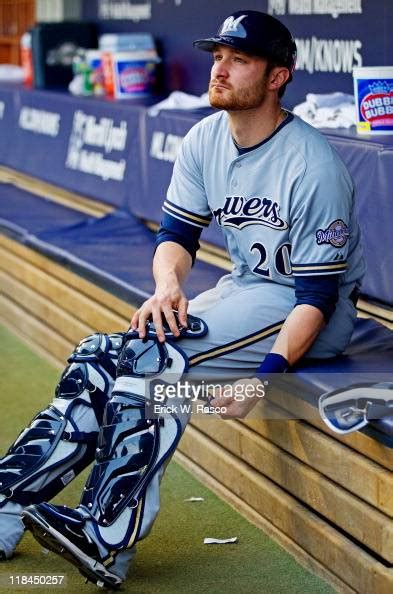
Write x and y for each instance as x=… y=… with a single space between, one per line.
x=233 y=27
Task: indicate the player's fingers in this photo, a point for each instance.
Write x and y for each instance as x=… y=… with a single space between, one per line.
x=215 y=394
x=219 y=400
x=171 y=320
x=144 y=314
x=135 y=320
x=233 y=410
x=182 y=311
x=156 y=315
x=223 y=411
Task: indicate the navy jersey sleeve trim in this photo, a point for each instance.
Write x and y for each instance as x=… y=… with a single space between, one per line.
x=185 y=215
x=185 y=234
x=319 y=291
x=319 y=268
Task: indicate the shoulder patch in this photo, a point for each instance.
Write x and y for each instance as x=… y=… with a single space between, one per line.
x=336 y=234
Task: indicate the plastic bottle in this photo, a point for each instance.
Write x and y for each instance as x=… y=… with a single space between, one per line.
x=27 y=59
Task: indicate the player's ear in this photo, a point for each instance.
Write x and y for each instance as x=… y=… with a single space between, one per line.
x=278 y=77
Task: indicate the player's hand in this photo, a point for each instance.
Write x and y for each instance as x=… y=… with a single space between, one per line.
x=162 y=303
x=246 y=393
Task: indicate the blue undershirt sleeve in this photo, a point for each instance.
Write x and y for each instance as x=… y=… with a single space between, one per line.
x=185 y=234
x=321 y=291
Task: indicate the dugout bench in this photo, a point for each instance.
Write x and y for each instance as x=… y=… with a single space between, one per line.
x=67 y=270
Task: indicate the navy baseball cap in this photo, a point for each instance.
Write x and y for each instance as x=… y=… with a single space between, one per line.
x=255 y=33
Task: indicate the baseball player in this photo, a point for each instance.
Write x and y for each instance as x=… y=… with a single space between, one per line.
x=284 y=202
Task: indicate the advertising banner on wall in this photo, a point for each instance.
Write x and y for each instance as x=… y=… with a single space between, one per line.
x=7 y=122
x=333 y=36
x=83 y=146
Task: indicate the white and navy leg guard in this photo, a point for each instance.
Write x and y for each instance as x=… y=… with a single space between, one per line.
x=121 y=497
x=61 y=439
x=345 y=411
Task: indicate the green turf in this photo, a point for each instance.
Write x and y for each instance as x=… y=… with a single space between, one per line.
x=173 y=559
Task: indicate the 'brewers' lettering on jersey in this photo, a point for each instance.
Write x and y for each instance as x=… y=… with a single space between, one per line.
x=240 y=212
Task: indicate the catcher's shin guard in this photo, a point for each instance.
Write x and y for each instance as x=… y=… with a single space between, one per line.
x=60 y=441
x=132 y=448
x=121 y=497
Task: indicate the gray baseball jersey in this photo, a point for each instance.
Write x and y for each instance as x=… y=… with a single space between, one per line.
x=285 y=208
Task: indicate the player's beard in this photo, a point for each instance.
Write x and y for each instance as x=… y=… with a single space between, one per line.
x=231 y=99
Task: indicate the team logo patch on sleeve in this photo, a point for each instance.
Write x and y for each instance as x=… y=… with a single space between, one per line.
x=336 y=234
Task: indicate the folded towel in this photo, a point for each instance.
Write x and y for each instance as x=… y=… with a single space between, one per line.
x=11 y=73
x=180 y=100
x=333 y=110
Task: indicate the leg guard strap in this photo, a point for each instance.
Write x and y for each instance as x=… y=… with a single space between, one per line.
x=24 y=470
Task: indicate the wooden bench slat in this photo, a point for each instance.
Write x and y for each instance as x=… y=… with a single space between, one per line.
x=83 y=286
x=40 y=307
x=366 y=445
x=342 y=556
x=376 y=310
x=357 y=518
x=35 y=331
x=67 y=297
x=350 y=469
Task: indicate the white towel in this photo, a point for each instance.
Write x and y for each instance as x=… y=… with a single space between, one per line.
x=11 y=73
x=333 y=110
x=180 y=100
